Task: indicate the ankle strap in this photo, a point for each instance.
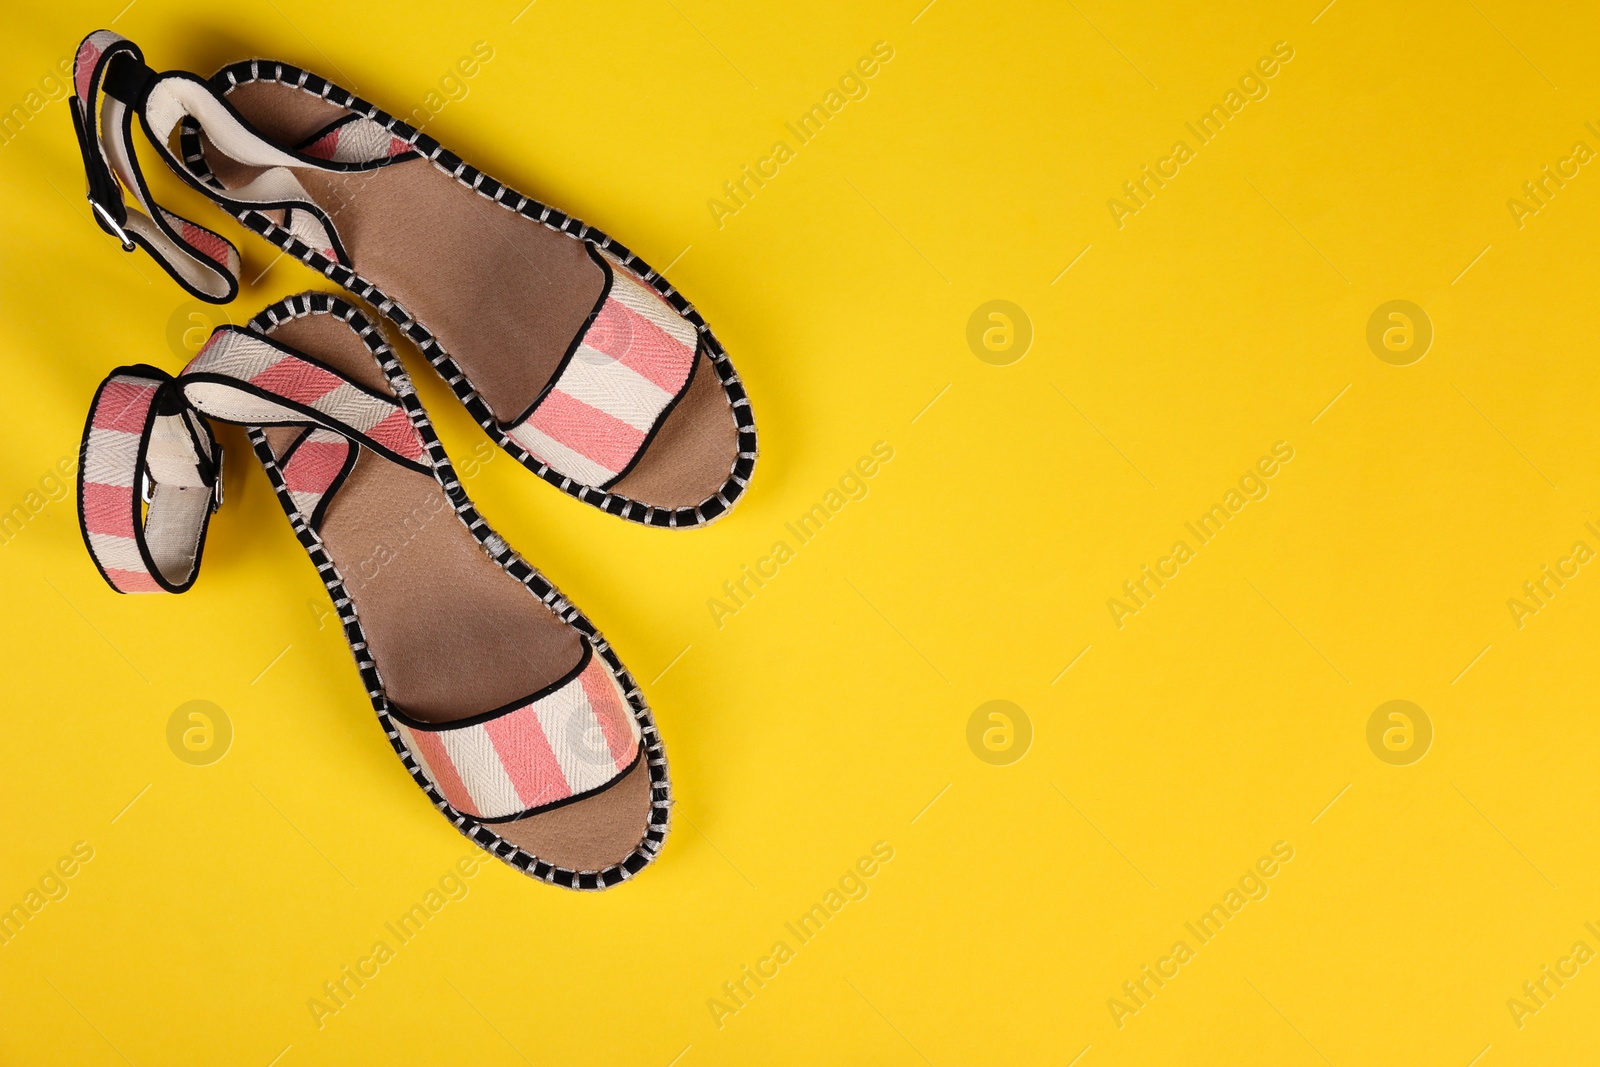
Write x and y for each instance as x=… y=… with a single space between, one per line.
x=143 y=444
x=112 y=83
x=150 y=471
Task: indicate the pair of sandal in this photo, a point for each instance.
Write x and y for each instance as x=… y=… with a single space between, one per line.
x=502 y=700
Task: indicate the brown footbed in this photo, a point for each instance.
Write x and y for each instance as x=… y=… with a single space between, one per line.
x=452 y=634
x=504 y=295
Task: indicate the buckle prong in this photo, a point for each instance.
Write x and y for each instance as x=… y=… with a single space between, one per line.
x=113 y=225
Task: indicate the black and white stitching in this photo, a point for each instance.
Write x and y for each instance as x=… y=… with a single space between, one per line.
x=444 y=472
x=733 y=387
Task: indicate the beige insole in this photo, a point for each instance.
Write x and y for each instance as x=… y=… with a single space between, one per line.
x=451 y=632
x=503 y=294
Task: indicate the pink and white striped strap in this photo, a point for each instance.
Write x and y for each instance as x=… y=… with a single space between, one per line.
x=201 y=261
x=111 y=83
x=151 y=471
x=567 y=740
x=149 y=477
x=625 y=372
x=355 y=139
x=244 y=378
x=314 y=467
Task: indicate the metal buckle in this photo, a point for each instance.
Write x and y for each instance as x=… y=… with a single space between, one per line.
x=147 y=487
x=113 y=225
x=216 y=485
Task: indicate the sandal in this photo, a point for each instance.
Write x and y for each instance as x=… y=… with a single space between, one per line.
x=573 y=354
x=506 y=706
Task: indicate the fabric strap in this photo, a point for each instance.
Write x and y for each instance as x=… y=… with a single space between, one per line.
x=609 y=396
x=151 y=470
x=569 y=739
x=629 y=366
x=112 y=83
x=201 y=261
x=143 y=446
x=151 y=475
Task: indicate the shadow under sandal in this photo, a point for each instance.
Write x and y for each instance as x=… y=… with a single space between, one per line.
x=576 y=357
x=503 y=702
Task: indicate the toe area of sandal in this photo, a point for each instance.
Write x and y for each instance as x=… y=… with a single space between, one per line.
x=594 y=834
x=696 y=454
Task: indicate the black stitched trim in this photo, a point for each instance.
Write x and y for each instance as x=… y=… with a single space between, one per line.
x=139 y=466
x=651 y=750
x=584 y=659
x=500 y=820
x=655 y=428
x=606 y=281
x=352 y=454
x=292 y=77
x=294 y=405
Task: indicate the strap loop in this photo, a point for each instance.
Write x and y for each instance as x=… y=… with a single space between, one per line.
x=112 y=84
x=135 y=433
x=129 y=81
x=150 y=470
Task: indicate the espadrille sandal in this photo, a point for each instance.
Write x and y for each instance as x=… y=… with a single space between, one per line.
x=505 y=705
x=576 y=357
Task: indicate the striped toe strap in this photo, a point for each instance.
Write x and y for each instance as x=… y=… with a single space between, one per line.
x=150 y=470
x=624 y=373
x=563 y=742
x=592 y=423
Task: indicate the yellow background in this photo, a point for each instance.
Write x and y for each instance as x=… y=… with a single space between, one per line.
x=831 y=711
